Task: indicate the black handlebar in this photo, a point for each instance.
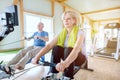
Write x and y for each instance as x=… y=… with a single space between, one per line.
x=46 y=63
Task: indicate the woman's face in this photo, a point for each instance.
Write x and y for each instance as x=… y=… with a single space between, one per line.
x=68 y=20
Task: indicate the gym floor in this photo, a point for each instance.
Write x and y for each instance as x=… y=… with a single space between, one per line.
x=104 y=68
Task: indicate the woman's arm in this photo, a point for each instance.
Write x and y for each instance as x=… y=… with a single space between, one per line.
x=43 y=51
x=74 y=53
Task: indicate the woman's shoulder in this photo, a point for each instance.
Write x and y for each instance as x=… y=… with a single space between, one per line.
x=81 y=31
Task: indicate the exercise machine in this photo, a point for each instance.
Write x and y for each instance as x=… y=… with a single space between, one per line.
x=8 y=19
x=5 y=31
x=13 y=74
x=111 y=50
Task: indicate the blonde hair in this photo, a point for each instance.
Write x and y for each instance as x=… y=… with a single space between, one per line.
x=73 y=14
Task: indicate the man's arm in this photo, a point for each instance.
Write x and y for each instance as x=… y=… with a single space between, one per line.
x=46 y=38
x=29 y=38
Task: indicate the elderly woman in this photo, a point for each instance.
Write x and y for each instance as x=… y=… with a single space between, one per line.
x=68 y=46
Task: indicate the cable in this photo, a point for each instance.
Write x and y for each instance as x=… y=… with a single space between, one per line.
x=16 y=41
x=44 y=63
x=24 y=71
x=12 y=42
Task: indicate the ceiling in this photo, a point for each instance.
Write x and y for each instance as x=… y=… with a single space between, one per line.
x=97 y=9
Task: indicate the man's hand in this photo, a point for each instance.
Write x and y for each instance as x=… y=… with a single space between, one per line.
x=28 y=39
x=36 y=37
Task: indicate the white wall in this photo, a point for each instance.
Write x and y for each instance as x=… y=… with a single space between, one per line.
x=40 y=6
x=7 y=42
x=4 y=3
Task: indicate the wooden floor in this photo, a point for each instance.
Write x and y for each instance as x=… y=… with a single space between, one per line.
x=104 y=69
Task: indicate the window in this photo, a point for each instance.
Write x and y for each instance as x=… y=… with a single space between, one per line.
x=31 y=22
x=88 y=37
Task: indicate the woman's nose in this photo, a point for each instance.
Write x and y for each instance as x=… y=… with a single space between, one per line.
x=66 y=20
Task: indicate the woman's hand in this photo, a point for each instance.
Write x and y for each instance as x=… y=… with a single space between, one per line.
x=35 y=61
x=61 y=66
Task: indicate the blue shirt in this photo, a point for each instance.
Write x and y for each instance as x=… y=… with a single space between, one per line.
x=39 y=42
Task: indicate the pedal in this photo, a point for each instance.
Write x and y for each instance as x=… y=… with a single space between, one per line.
x=4 y=75
x=3 y=69
x=46 y=78
x=1 y=62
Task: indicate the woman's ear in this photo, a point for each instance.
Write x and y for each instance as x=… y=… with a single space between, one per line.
x=74 y=21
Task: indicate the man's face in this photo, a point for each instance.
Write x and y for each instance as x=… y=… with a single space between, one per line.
x=40 y=26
